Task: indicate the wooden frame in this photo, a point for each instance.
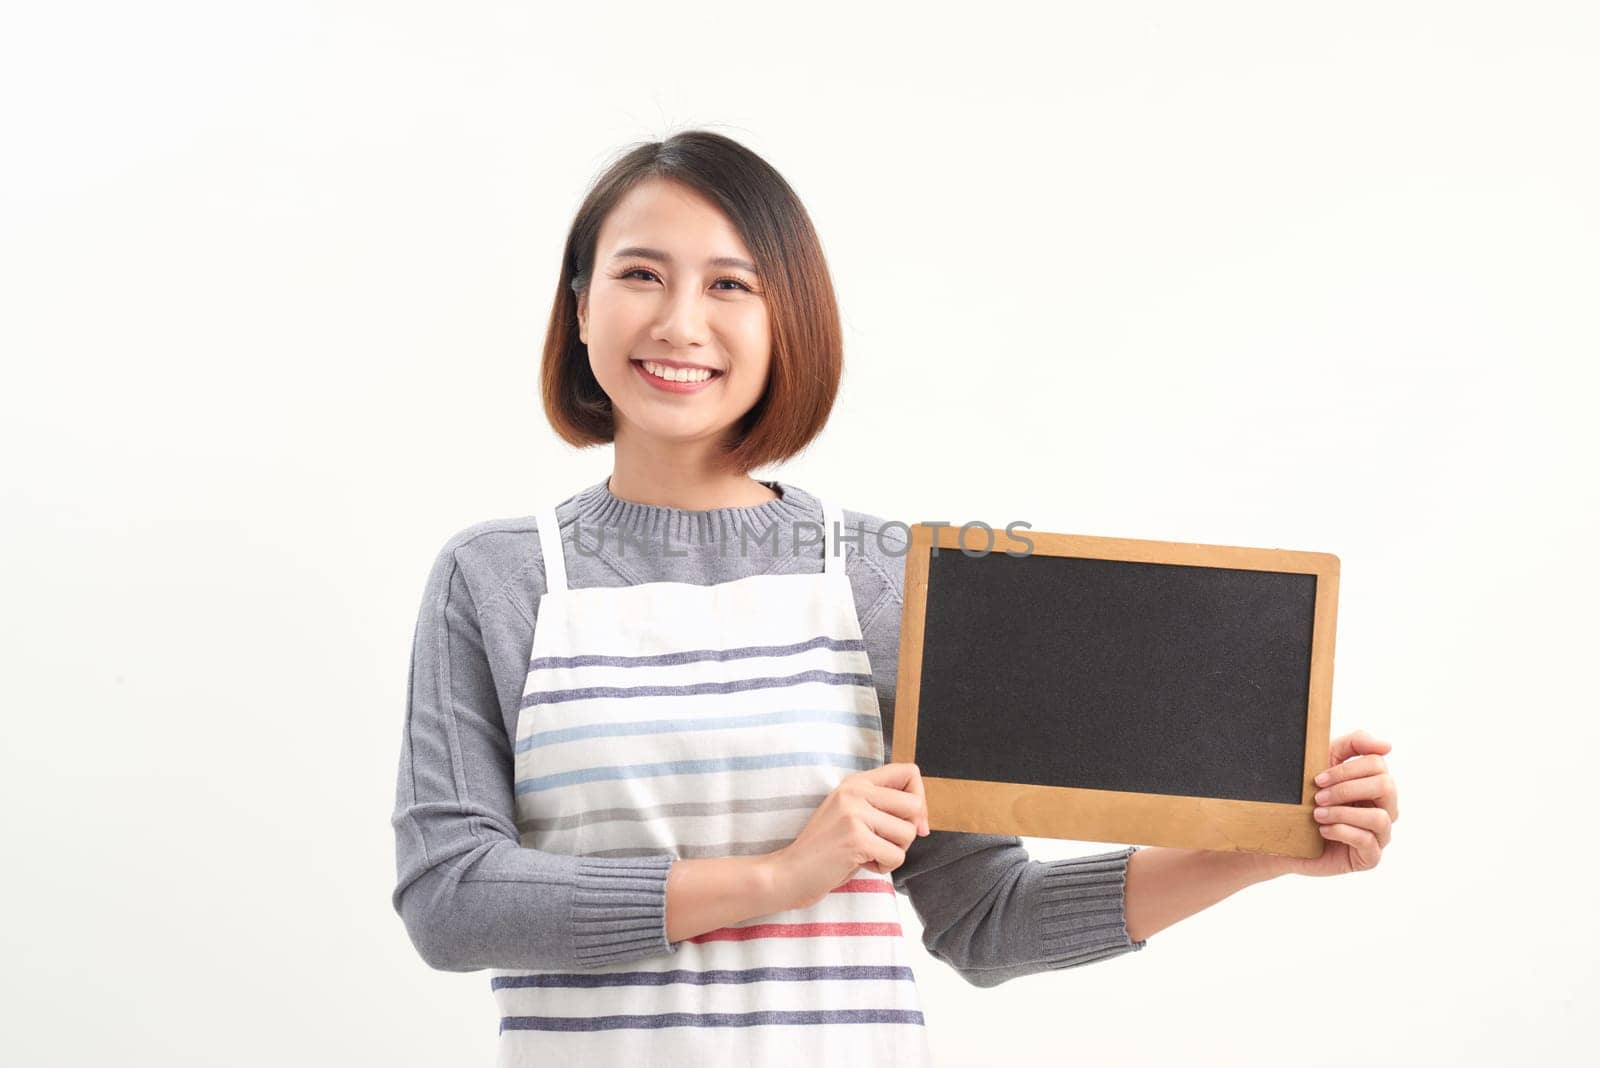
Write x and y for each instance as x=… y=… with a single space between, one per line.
x=1105 y=815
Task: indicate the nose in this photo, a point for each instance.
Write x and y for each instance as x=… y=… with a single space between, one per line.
x=682 y=319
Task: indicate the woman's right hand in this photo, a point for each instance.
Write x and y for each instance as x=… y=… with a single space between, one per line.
x=869 y=820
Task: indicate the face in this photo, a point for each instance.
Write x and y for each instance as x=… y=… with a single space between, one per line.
x=674 y=287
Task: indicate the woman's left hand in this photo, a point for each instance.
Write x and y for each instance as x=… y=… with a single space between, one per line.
x=1357 y=804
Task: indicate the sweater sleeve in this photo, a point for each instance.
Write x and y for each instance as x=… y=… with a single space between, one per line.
x=988 y=909
x=470 y=895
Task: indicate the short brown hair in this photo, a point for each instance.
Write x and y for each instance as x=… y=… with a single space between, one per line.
x=807 y=345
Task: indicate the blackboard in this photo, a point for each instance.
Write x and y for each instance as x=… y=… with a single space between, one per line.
x=1117 y=689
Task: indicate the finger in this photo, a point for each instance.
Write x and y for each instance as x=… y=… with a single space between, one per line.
x=1378 y=790
x=1366 y=788
x=901 y=832
x=1361 y=843
x=1346 y=746
x=1375 y=820
x=892 y=837
x=905 y=777
x=897 y=775
x=900 y=802
x=1371 y=764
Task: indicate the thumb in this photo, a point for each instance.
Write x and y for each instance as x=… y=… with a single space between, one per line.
x=1348 y=745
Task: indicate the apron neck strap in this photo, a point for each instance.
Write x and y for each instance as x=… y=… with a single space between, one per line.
x=555 y=564
x=832 y=524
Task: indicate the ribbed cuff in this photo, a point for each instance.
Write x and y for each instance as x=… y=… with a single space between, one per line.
x=619 y=909
x=1081 y=915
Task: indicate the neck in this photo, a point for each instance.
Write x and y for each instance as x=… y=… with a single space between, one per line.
x=684 y=478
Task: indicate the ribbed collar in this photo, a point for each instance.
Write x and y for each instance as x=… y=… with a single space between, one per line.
x=598 y=506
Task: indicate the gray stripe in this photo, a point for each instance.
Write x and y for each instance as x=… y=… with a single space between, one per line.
x=693 y=655
x=543 y=697
x=690 y=852
x=755 y=762
x=709 y=1019
x=678 y=809
x=867 y=721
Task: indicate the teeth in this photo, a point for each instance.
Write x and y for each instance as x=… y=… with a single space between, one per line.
x=676 y=374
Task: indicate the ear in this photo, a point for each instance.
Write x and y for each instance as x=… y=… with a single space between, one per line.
x=583 y=317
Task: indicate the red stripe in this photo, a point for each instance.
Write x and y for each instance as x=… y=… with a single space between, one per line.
x=798 y=930
x=864 y=886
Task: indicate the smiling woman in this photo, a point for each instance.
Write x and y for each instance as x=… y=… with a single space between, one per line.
x=648 y=789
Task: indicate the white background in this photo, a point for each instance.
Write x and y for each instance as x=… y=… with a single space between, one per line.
x=1307 y=276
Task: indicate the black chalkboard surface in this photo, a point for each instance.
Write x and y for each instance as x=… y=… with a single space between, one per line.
x=1117 y=690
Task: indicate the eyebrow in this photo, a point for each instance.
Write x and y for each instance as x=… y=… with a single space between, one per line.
x=662 y=257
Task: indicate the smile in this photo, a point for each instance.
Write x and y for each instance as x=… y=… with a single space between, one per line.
x=691 y=381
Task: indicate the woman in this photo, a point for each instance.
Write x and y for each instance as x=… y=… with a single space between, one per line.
x=643 y=776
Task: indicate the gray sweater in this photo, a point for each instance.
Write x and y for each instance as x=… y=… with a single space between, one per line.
x=472 y=897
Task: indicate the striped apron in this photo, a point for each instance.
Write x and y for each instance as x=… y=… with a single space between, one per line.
x=707 y=721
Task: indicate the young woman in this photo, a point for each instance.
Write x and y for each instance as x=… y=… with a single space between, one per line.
x=642 y=779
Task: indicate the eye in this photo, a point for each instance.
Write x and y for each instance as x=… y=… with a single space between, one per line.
x=632 y=271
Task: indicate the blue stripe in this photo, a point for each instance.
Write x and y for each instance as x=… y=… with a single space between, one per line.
x=546 y=697
x=691 y=656
x=706 y=723
x=709 y=1019
x=695 y=767
x=591 y=980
